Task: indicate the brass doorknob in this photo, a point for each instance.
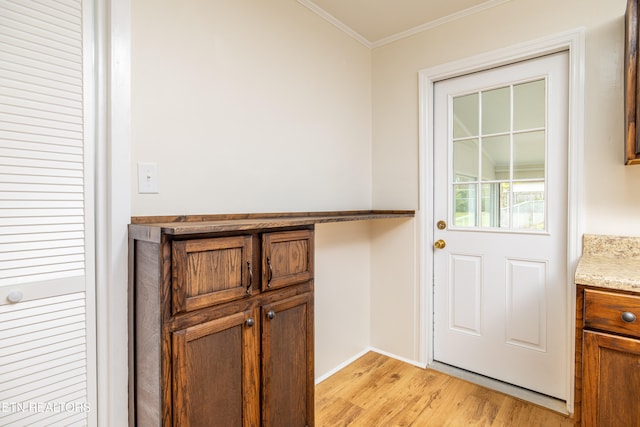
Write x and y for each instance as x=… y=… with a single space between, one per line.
x=440 y=244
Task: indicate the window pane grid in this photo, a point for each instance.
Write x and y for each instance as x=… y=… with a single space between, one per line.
x=498 y=180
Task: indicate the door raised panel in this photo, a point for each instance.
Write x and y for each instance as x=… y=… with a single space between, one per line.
x=527 y=303
x=465 y=293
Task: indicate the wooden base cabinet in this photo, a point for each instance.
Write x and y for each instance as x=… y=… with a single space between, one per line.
x=224 y=353
x=286 y=368
x=607 y=358
x=222 y=328
x=611 y=380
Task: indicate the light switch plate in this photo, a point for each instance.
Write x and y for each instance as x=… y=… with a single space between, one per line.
x=147 y=177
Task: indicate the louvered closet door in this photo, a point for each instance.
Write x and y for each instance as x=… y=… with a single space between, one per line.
x=47 y=355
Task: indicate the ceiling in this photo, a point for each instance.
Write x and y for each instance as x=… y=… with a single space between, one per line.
x=376 y=22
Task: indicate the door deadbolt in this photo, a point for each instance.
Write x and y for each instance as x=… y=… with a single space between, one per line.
x=441 y=225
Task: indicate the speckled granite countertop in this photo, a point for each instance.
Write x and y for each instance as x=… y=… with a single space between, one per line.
x=610 y=262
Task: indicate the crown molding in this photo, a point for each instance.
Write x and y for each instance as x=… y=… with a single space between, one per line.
x=403 y=34
x=336 y=22
x=437 y=22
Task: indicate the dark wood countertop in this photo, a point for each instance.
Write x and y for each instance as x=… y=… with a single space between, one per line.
x=150 y=228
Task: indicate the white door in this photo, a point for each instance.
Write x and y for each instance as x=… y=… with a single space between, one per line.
x=47 y=327
x=500 y=210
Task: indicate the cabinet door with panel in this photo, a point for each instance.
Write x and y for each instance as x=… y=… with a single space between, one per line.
x=611 y=378
x=287 y=258
x=287 y=364
x=210 y=271
x=215 y=372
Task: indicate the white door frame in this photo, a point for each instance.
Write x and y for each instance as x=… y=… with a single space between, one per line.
x=113 y=205
x=572 y=41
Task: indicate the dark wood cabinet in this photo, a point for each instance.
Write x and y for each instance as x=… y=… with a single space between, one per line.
x=214 y=372
x=611 y=380
x=210 y=271
x=631 y=86
x=607 y=358
x=222 y=326
x=286 y=369
x=287 y=258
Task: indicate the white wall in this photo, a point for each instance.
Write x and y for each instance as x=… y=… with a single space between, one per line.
x=248 y=106
x=342 y=293
x=395 y=301
x=611 y=203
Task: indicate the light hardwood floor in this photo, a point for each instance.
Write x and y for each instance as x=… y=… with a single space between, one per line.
x=376 y=390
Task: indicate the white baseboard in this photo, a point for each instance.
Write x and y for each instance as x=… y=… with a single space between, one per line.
x=362 y=353
x=343 y=365
x=400 y=358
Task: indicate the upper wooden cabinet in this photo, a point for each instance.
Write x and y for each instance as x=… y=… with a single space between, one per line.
x=287 y=258
x=632 y=112
x=210 y=271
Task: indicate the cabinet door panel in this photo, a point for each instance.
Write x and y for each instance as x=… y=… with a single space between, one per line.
x=287 y=366
x=210 y=271
x=611 y=380
x=287 y=258
x=215 y=373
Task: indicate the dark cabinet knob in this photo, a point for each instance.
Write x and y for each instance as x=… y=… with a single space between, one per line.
x=250 y=322
x=271 y=314
x=628 y=317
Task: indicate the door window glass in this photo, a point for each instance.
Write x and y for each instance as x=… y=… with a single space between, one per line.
x=466 y=119
x=499 y=145
x=496 y=117
x=465 y=159
x=465 y=204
